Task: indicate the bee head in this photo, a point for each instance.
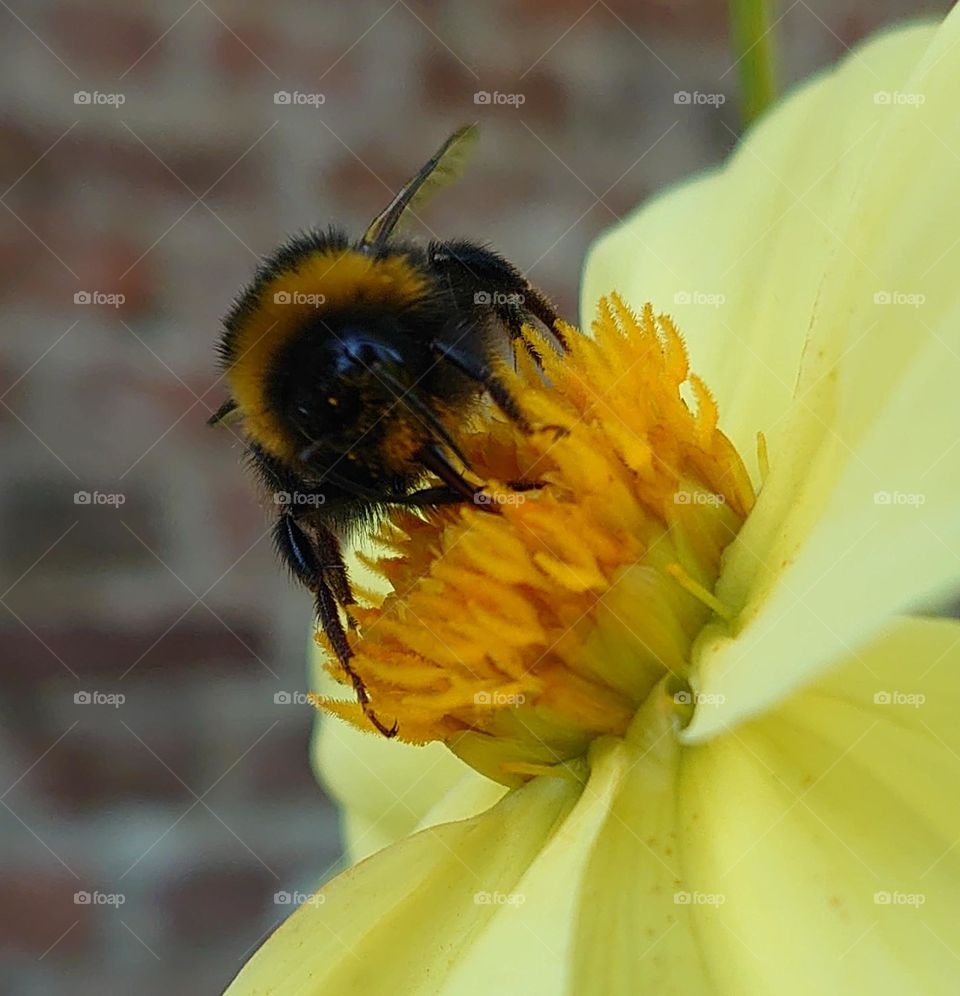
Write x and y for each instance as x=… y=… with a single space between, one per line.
x=343 y=384
x=319 y=347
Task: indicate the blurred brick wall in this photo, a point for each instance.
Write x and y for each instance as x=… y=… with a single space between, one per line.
x=192 y=799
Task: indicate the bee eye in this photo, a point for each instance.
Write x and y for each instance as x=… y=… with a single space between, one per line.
x=361 y=350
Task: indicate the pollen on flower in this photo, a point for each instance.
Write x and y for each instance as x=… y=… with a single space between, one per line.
x=518 y=638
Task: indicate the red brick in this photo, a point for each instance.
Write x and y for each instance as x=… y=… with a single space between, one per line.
x=246 y=51
x=280 y=765
x=547 y=98
x=447 y=83
x=320 y=67
x=38 y=908
x=651 y=19
x=199 y=643
x=104 y=263
x=855 y=26
x=89 y=771
x=45 y=512
x=214 y=902
x=351 y=187
x=21 y=145
x=32 y=273
x=170 y=165
x=110 y=42
x=233 y=170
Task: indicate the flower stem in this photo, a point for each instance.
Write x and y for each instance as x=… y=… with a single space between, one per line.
x=752 y=40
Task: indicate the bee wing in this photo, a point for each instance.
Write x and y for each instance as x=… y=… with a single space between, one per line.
x=442 y=168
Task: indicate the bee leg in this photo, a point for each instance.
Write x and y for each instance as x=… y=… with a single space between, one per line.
x=434 y=497
x=319 y=566
x=427 y=497
x=432 y=457
x=313 y=556
x=332 y=565
x=540 y=307
x=514 y=326
x=491 y=274
x=514 y=316
x=482 y=374
x=329 y=615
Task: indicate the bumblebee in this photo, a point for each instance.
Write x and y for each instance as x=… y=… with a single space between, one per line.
x=350 y=365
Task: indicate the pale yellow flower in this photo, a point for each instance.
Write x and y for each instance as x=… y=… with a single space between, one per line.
x=739 y=773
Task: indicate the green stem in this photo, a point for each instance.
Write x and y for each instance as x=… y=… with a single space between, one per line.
x=753 y=45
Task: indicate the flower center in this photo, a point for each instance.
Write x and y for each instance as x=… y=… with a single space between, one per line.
x=518 y=638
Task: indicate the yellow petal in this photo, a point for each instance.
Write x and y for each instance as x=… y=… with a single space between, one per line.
x=810 y=851
x=857 y=519
x=887 y=540
x=830 y=827
x=638 y=907
x=399 y=921
x=480 y=906
x=387 y=790
x=737 y=254
x=526 y=950
x=384 y=789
